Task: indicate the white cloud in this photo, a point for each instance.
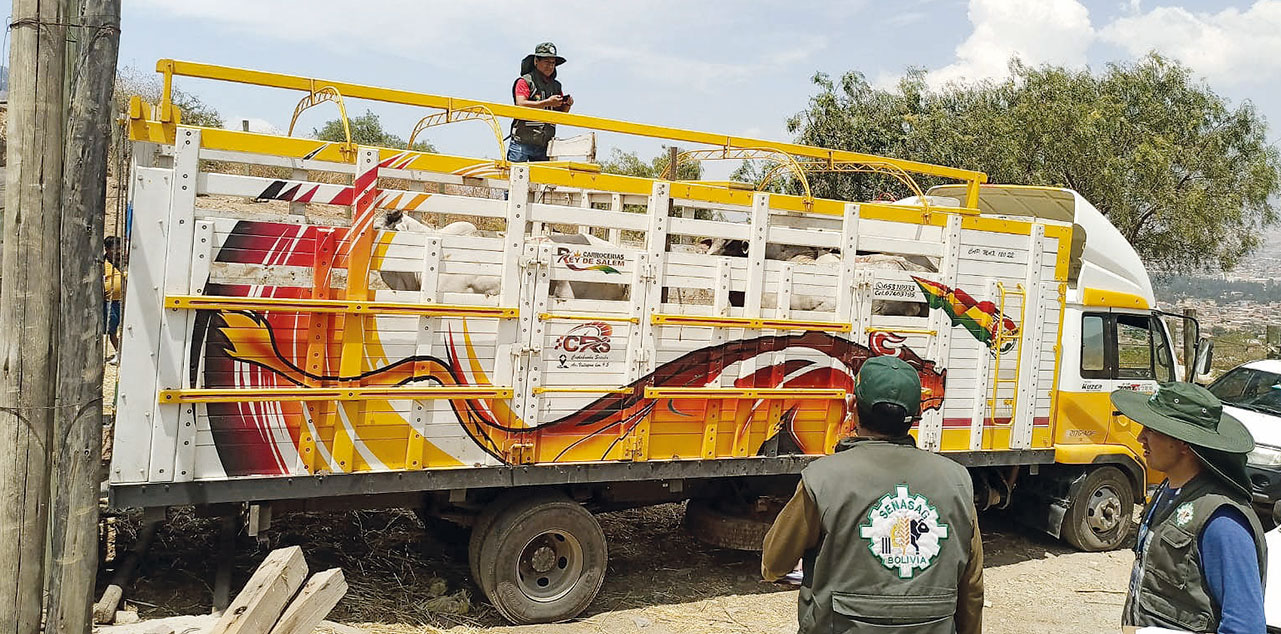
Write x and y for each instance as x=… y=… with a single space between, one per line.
x=1231 y=46
x=1037 y=31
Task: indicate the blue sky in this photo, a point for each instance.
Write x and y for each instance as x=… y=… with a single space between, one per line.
x=732 y=67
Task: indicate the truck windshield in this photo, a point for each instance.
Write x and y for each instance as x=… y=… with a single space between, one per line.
x=1252 y=389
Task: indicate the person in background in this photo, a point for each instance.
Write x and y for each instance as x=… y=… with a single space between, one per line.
x=1200 y=558
x=537 y=87
x=112 y=293
x=887 y=533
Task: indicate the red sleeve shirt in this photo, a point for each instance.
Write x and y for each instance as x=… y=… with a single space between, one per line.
x=522 y=88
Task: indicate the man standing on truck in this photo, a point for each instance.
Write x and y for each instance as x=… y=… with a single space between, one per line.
x=887 y=533
x=537 y=87
x=1200 y=557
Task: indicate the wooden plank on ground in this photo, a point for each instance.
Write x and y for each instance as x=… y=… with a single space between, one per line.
x=320 y=594
x=260 y=603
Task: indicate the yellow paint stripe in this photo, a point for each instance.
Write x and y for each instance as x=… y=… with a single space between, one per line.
x=416 y=201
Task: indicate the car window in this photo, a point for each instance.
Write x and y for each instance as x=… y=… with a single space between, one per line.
x=1134 y=347
x=1263 y=391
x=1092 y=342
x=1269 y=401
x=1231 y=386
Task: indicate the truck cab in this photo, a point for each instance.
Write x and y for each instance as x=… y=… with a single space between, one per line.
x=1112 y=337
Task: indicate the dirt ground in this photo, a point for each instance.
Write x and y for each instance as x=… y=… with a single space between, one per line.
x=660 y=579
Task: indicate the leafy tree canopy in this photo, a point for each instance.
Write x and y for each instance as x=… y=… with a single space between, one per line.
x=366 y=129
x=1189 y=179
x=629 y=164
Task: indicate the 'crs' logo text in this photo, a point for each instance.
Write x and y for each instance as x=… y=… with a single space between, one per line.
x=590 y=337
x=585 y=346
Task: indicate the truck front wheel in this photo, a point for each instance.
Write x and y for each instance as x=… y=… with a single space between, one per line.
x=1100 y=512
x=542 y=560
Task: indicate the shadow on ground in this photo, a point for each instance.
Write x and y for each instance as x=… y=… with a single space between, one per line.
x=398 y=573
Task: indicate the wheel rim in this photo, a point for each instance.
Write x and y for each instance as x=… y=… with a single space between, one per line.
x=549 y=566
x=1103 y=513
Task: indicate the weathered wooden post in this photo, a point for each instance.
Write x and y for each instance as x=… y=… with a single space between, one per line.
x=29 y=312
x=78 y=420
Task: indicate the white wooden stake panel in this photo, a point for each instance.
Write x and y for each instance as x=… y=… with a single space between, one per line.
x=642 y=264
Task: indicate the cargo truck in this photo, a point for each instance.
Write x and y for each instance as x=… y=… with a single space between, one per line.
x=540 y=342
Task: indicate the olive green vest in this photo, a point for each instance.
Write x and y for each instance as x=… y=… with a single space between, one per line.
x=535 y=132
x=1171 y=591
x=896 y=531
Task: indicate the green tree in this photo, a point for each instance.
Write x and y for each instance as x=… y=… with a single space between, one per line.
x=366 y=129
x=1187 y=178
x=630 y=164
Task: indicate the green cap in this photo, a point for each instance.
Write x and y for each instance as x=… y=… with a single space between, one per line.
x=889 y=380
x=547 y=49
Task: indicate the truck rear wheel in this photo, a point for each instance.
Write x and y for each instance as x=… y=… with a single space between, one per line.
x=738 y=527
x=1101 y=511
x=480 y=530
x=541 y=560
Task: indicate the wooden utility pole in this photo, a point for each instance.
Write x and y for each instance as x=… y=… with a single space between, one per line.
x=78 y=420
x=29 y=312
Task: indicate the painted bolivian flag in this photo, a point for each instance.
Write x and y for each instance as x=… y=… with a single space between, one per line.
x=981 y=319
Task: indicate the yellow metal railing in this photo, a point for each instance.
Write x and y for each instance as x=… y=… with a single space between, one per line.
x=170 y=68
x=318 y=96
x=751 y=323
x=752 y=393
x=581 y=389
x=213 y=302
x=471 y=113
x=605 y=318
x=297 y=394
x=1002 y=337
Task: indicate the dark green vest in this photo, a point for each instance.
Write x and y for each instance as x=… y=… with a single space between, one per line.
x=895 y=540
x=1171 y=590
x=535 y=132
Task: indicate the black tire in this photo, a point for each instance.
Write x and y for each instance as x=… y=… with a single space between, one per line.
x=480 y=530
x=542 y=560
x=741 y=529
x=1101 y=511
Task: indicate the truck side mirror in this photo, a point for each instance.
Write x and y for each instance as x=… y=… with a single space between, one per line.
x=1204 y=357
x=1276 y=513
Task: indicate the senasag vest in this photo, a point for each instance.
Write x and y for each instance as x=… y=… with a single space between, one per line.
x=1171 y=590
x=896 y=540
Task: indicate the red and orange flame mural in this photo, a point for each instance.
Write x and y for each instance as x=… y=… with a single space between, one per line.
x=300 y=349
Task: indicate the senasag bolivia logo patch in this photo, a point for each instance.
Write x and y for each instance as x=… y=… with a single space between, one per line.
x=904 y=532
x=1183 y=514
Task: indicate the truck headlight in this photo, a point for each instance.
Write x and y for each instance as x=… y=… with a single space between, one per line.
x=1264 y=456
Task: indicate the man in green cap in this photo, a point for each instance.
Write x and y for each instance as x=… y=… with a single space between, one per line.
x=1200 y=556
x=537 y=87
x=887 y=533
